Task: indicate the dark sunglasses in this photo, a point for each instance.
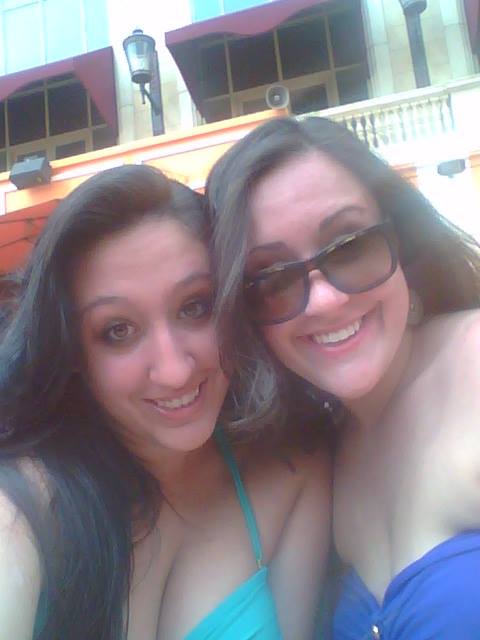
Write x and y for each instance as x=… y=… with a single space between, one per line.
x=355 y=263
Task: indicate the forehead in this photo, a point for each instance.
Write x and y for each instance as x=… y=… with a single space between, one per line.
x=157 y=251
x=302 y=192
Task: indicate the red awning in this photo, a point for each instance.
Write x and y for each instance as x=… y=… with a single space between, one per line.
x=472 y=13
x=184 y=43
x=18 y=232
x=94 y=70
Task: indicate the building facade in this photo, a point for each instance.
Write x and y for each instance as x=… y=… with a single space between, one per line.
x=65 y=86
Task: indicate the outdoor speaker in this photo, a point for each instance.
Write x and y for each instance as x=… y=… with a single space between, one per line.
x=31 y=172
x=451 y=167
x=277 y=96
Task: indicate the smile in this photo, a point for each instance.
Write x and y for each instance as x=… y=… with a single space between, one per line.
x=333 y=337
x=178 y=403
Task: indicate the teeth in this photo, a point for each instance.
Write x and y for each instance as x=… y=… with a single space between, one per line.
x=337 y=336
x=177 y=403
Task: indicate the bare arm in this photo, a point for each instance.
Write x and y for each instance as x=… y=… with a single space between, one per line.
x=20 y=575
x=298 y=566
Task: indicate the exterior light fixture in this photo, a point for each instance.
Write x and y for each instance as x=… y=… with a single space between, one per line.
x=143 y=64
x=31 y=172
x=450 y=168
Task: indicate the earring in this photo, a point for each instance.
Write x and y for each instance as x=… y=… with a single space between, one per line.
x=415 y=309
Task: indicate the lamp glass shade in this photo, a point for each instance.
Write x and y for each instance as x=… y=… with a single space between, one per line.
x=139 y=49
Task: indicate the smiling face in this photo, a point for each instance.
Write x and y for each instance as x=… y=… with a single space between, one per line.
x=149 y=345
x=342 y=343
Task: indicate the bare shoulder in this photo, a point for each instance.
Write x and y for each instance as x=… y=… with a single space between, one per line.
x=453 y=335
x=20 y=573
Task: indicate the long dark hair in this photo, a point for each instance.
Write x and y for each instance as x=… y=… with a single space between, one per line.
x=441 y=262
x=83 y=494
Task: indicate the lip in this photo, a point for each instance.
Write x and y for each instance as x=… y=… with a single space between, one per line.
x=181 y=414
x=340 y=349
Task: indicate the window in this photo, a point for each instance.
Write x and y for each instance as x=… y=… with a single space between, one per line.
x=53 y=29
x=55 y=118
x=204 y=9
x=318 y=54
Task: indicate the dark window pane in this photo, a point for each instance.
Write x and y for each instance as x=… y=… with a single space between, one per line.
x=213 y=71
x=303 y=48
x=253 y=61
x=70 y=149
x=67 y=108
x=2 y=124
x=103 y=138
x=3 y=160
x=38 y=84
x=347 y=38
x=253 y=106
x=31 y=154
x=26 y=118
x=97 y=117
x=308 y=99
x=214 y=110
x=352 y=85
x=62 y=78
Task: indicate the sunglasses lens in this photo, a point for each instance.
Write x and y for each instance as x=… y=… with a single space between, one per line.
x=361 y=264
x=276 y=297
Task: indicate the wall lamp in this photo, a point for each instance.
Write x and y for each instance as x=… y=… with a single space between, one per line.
x=30 y=172
x=143 y=64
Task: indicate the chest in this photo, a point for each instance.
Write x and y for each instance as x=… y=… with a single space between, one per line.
x=190 y=564
x=414 y=479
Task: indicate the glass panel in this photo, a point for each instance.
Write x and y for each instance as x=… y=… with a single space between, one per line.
x=213 y=71
x=26 y=118
x=352 y=85
x=237 y=5
x=70 y=149
x=346 y=36
x=308 y=99
x=96 y=24
x=254 y=106
x=102 y=138
x=23 y=44
x=204 y=9
x=253 y=61
x=67 y=108
x=63 y=29
x=303 y=48
x=2 y=124
x=214 y=110
x=97 y=117
x=41 y=153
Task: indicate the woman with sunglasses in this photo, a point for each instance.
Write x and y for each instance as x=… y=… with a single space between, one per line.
x=134 y=504
x=359 y=288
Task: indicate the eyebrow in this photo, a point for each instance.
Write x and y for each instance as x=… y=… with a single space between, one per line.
x=324 y=225
x=106 y=300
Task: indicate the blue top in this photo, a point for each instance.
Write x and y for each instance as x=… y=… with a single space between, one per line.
x=248 y=613
x=437 y=597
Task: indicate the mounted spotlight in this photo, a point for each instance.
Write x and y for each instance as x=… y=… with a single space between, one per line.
x=31 y=172
x=143 y=64
x=277 y=96
x=450 y=168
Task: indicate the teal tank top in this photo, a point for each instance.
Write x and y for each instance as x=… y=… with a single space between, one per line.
x=249 y=612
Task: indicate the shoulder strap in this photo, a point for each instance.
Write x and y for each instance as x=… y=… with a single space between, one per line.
x=248 y=513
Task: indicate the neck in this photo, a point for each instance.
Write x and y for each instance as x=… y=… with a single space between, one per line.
x=368 y=409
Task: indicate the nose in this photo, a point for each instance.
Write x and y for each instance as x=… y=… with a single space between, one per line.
x=324 y=297
x=170 y=363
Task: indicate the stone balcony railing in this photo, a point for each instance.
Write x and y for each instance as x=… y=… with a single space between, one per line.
x=424 y=125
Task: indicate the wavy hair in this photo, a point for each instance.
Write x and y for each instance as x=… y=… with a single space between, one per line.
x=97 y=492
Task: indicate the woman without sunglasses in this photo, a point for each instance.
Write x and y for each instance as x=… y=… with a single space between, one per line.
x=128 y=511
x=362 y=290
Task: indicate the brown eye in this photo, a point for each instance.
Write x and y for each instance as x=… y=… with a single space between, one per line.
x=118 y=332
x=196 y=309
